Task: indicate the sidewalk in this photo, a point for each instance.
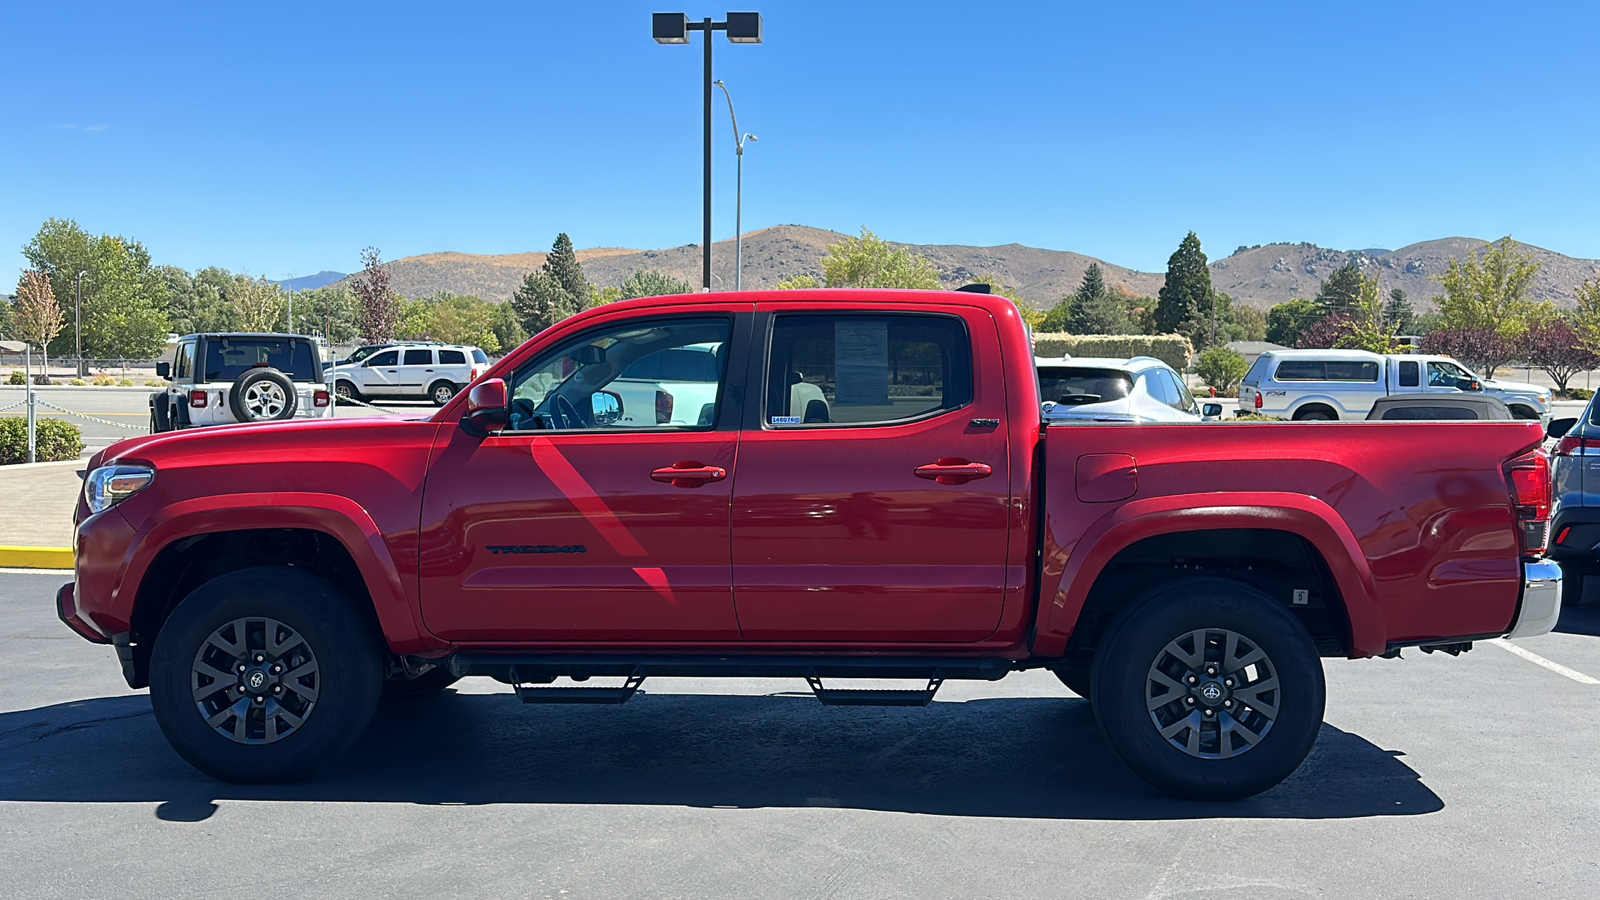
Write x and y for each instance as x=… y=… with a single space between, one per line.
x=36 y=504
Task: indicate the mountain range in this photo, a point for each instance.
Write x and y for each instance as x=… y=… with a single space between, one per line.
x=1260 y=276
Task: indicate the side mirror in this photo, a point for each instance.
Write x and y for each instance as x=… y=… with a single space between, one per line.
x=488 y=408
x=163 y=370
x=1211 y=411
x=1467 y=384
x=1558 y=428
x=606 y=407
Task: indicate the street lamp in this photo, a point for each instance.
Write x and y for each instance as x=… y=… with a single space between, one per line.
x=738 y=191
x=674 y=28
x=77 y=315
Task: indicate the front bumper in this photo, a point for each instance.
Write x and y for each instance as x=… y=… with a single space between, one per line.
x=67 y=612
x=1541 y=600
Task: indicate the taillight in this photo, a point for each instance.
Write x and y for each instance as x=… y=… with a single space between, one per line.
x=1529 y=478
x=1571 y=444
x=319 y=399
x=1258 y=399
x=197 y=399
x=663 y=407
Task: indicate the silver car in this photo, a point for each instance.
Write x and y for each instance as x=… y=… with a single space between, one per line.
x=1142 y=389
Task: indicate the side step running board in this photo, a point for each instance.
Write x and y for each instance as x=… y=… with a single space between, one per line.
x=863 y=697
x=613 y=696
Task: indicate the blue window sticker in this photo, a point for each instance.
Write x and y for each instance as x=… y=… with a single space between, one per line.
x=786 y=420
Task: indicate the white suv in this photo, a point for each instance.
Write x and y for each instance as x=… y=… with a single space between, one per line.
x=223 y=379
x=410 y=371
x=1141 y=389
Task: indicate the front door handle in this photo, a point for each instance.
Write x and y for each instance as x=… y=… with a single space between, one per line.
x=954 y=471
x=689 y=474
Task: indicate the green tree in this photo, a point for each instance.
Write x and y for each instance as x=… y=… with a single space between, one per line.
x=1221 y=368
x=799 y=283
x=1184 y=303
x=1398 y=313
x=508 y=329
x=554 y=292
x=1341 y=292
x=1489 y=291
x=869 y=261
x=1249 y=324
x=462 y=319
x=124 y=298
x=1095 y=308
x=258 y=304
x=330 y=311
x=1287 y=321
x=1368 y=330
x=1056 y=317
x=652 y=284
x=195 y=303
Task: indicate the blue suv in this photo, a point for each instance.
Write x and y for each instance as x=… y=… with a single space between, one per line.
x=1574 y=539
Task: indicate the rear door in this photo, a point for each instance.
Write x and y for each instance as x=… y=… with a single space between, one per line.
x=873 y=487
x=416 y=370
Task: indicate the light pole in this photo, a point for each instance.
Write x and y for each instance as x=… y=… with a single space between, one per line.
x=674 y=28
x=738 y=191
x=77 y=315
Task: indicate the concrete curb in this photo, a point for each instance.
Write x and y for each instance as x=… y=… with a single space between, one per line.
x=24 y=467
x=36 y=557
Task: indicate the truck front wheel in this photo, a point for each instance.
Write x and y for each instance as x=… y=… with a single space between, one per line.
x=264 y=674
x=1209 y=690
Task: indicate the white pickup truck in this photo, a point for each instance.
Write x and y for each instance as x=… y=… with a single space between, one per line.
x=1343 y=384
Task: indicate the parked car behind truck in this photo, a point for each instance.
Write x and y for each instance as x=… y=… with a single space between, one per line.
x=921 y=522
x=1332 y=385
x=239 y=377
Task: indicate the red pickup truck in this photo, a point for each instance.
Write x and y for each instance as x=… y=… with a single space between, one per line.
x=867 y=491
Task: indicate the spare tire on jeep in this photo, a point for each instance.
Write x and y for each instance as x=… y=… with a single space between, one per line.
x=262 y=394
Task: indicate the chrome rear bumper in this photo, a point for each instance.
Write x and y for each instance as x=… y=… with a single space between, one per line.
x=1541 y=599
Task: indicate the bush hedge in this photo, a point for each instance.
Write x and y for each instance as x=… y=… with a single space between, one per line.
x=1172 y=349
x=1579 y=394
x=17 y=377
x=54 y=440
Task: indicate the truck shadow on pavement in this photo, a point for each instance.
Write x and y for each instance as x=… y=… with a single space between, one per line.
x=1580 y=620
x=1038 y=757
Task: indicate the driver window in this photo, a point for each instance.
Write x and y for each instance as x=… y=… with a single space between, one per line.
x=386 y=358
x=660 y=374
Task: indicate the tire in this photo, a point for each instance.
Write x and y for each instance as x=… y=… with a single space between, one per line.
x=318 y=627
x=1315 y=415
x=344 y=391
x=427 y=684
x=1572 y=586
x=1149 y=641
x=159 y=417
x=262 y=395
x=442 y=392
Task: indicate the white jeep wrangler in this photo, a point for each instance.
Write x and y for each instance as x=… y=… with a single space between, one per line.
x=223 y=379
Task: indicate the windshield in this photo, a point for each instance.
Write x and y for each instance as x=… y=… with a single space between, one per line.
x=1075 y=385
x=227 y=358
x=364 y=352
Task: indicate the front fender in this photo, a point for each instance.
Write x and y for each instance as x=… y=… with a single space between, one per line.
x=339 y=517
x=1080 y=562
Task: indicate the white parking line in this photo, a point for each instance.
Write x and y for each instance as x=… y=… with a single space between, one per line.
x=1538 y=660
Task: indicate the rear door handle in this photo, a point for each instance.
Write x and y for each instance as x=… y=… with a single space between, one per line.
x=689 y=474
x=954 y=471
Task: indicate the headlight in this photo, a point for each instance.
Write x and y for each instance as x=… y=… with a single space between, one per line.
x=109 y=485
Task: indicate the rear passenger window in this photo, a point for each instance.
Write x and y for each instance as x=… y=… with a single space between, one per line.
x=857 y=370
x=419 y=358
x=1430 y=413
x=1301 y=370
x=452 y=358
x=1410 y=374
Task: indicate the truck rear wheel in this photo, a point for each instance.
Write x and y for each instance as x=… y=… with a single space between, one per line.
x=264 y=675
x=1209 y=690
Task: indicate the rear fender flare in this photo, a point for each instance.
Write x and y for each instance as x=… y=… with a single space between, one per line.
x=339 y=517
x=1063 y=598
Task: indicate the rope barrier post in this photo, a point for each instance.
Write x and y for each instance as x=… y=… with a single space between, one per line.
x=32 y=418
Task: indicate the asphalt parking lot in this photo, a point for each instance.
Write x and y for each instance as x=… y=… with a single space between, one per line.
x=1469 y=777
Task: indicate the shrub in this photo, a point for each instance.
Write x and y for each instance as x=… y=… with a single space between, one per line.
x=155 y=383
x=104 y=381
x=77 y=382
x=42 y=380
x=126 y=382
x=1221 y=368
x=17 y=377
x=1172 y=349
x=1579 y=394
x=1252 y=417
x=54 y=440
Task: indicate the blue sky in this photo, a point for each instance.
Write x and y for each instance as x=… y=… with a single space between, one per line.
x=279 y=139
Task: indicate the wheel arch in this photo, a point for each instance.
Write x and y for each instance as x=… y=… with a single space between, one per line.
x=1139 y=545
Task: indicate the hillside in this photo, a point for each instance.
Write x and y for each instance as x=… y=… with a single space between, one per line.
x=1258 y=276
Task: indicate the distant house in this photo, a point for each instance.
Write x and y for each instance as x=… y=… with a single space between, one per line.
x=1252 y=349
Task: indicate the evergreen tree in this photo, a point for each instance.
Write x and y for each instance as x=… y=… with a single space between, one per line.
x=1095 y=309
x=1398 y=315
x=1341 y=293
x=554 y=292
x=1184 y=302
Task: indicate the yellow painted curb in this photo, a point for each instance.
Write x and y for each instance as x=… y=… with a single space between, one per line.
x=36 y=557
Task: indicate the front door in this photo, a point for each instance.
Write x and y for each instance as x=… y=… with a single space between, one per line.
x=872 y=498
x=380 y=374
x=587 y=519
